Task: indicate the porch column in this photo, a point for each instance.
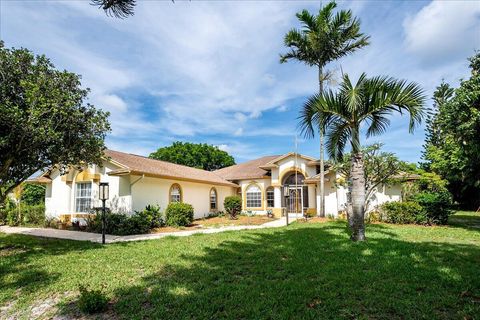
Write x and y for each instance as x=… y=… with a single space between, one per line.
x=311 y=199
x=277 y=201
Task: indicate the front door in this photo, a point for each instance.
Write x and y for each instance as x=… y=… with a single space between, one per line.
x=295 y=200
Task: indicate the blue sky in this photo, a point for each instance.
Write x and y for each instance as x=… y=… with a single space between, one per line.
x=209 y=71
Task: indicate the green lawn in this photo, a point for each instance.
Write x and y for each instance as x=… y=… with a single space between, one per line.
x=305 y=271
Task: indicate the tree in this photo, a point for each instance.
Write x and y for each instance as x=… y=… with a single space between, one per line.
x=341 y=114
x=43 y=119
x=33 y=194
x=380 y=168
x=116 y=8
x=452 y=146
x=196 y=155
x=323 y=38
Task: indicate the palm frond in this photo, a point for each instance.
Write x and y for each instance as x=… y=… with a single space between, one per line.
x=337 y=137
x=116 y=8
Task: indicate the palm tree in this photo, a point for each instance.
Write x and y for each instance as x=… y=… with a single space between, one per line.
x=117 y=8
x=323 y=38
x=342 y=114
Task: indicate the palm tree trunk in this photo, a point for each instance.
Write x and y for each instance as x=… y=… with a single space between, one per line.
x=322 y=169
x=357 y=175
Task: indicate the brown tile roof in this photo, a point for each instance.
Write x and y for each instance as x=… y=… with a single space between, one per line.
x=247 y=170
x=134 y=164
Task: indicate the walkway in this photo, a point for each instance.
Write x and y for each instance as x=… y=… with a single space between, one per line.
x=95 y=237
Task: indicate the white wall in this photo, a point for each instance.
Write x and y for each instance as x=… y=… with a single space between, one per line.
x=155 y=191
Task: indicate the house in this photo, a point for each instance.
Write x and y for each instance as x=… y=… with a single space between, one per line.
x=289 y=181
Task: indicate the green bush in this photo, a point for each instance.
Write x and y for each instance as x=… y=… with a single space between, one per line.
x=33 y=194
x=155 y=215
x=403 y=213
x=92 y=301
x=120 y=224
x=233 y=206
x=179 y=214
x=436 y=206
x=24 y=215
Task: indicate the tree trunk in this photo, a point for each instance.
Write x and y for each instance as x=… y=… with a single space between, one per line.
x=322 y=169
x=357 y=175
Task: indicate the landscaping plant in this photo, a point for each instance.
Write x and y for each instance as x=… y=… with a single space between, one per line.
x=179 y=214
x=92 y=301
x=233 y=206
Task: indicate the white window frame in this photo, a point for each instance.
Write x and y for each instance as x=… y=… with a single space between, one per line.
x=85 y=196
x=270 y=192
x=253 y=196
x=175 y=196
x=213 y=199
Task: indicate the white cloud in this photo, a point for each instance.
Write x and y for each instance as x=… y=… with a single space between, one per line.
x=444 y=29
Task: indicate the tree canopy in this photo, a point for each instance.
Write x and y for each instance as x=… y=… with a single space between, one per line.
x=196 y=155
x=452 y=146
x=44 y=120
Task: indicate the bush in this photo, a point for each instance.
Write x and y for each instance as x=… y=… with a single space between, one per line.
x=436 y=206
x=403 y=213
x=33 y=194
x=24 y=215
x=179 y=214
x=92 y=301
x=121 y=224
x=155 y=215
x=233 y=206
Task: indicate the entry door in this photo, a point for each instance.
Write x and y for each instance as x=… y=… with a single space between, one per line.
x=295 y=200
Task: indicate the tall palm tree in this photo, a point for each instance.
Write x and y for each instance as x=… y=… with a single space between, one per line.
x=366 y=104
x=323 y=38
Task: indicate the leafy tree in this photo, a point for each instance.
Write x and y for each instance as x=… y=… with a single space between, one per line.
x=323 y=38
x=196 y=155
x=452 y=147
x=33 y=194
x=380 y=168
x=368 y=102
x=43 y=119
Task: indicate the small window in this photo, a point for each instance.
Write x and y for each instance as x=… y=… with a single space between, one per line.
x=175 y=193
x=270 y=198
x=83 y=197
x=254 y=197
x=213 y=199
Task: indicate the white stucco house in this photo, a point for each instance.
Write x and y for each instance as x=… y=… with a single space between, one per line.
x=136 y=181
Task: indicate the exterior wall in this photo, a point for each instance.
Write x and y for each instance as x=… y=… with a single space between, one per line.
x=57 y=196
x=156 y=191
x=386 y=193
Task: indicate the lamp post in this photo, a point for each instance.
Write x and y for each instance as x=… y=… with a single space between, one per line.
x=287 y=196
x=103 y=195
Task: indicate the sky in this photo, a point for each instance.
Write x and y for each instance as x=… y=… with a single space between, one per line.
x=209 y=71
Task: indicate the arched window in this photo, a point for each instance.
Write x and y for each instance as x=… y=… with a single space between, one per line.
x=254 y=196
x=213 y=199
x=270 y=197
x=175 y=193
x=290 y=180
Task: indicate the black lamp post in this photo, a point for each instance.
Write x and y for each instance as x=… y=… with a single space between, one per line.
x=287 y=197
x=103 y=195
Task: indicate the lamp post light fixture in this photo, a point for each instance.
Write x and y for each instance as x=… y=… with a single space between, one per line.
x=103 y=195
x=287 y=197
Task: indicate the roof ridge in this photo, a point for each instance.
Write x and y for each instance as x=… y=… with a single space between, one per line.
x=148 y=158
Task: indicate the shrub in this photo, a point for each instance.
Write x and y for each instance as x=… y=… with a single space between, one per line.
x=156 y=216
x=233 y=206
x=179 y=214
x=403 y=213
x=24 y=215
x=119 y=223
x=436 y=206
x=92 y=301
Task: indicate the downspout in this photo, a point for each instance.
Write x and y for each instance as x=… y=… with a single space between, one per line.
x=131 y=185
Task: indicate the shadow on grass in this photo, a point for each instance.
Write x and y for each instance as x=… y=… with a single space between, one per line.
x=19 y=273
x=312 y=272
x=465 y=219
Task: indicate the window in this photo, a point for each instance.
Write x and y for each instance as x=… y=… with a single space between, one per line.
x=270 y=198
x=83 y=197
x=254 y=197
x=175 y=193
x=213 y=199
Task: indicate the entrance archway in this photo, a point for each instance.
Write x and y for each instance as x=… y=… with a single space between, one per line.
x=294 y=184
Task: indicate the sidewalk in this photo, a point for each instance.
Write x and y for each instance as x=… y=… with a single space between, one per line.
x=95 y=237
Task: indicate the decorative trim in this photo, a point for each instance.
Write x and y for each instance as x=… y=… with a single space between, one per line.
x=244 y=196
x=170 y=192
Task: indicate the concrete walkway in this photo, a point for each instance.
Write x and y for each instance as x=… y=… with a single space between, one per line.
x=95 y=237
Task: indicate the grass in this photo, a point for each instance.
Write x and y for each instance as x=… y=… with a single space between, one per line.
x=304 y=271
